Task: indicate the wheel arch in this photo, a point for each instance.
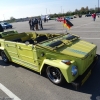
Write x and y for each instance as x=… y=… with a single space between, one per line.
x=5 y=53
x=1 y=49
x=55 y=64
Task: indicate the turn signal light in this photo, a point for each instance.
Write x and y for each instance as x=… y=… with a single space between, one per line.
x=66 y=62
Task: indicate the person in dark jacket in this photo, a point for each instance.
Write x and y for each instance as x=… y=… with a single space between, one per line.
x=33 y=24
x=36 y=23
x=40 y=24
x=30 y=23
x=1 y=28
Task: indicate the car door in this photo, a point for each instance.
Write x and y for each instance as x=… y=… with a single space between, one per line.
x=11 y=49
x=28 y=56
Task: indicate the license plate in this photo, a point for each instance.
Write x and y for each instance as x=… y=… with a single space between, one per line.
x=86 y=77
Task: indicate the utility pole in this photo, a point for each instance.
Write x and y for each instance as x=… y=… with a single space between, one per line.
x=98 y=6
x=61 y=9
x=4 y=17
x=49 y=11
x=46 y=11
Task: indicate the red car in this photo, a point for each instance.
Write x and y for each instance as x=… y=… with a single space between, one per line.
x=60 y=19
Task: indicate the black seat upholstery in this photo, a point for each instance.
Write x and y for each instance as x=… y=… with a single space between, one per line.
x=17 y=40
x=41 y=38
x=30 y=41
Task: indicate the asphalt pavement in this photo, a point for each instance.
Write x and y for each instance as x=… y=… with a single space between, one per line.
x=25 y=84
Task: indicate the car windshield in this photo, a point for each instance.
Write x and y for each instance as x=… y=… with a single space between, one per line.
x=5 y=23
x=1 y=23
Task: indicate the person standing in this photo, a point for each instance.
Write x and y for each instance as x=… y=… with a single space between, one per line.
x=94 y=16
x=36 y=22
x=44 y=20
x=33 y=23
x=40 y=24
x=47 y=19
x=30 y=23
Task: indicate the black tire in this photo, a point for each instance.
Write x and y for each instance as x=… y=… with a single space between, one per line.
x=5 y=28
x=4 y=57
x=55 y=75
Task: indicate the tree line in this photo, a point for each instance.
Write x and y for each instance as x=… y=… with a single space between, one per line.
x=82 y=11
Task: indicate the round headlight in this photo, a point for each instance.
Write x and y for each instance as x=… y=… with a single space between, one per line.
x=74 y=70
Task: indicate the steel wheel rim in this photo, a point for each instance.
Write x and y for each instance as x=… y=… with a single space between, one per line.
x=4 y=57
x=54 y=74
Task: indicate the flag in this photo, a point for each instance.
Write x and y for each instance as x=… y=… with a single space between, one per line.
x=67 y=23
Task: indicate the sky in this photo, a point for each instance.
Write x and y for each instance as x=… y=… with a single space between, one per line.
x=30 y=8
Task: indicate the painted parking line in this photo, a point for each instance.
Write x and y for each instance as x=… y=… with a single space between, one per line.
x=97 y=23
x=8 y=92
x=82 y=25
x=85 y=31
x=90 y=27
x=90 y=38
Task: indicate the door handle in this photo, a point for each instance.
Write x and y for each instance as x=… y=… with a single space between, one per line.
x=19 y=47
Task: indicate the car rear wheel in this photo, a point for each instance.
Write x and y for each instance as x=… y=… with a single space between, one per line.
x=4 y=57
x=10 y=26
x=55 y=75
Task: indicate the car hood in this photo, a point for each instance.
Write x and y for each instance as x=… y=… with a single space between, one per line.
x=78 y=49
x=70 y=45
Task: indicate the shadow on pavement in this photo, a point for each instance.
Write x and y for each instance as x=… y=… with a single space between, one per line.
x=91 y=86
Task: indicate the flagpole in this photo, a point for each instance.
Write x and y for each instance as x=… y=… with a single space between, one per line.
x=67 y=24
x=63 y=29
x=63 y=26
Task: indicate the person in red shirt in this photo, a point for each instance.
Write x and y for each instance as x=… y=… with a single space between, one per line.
x=94 y=16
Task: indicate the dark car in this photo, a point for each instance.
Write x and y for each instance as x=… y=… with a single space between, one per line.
x=79 y=16
x=88 y=15
x=6 y=25
x=69 y=17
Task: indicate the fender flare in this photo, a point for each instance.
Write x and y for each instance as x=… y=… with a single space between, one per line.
x=55 y=63
x=5 y=53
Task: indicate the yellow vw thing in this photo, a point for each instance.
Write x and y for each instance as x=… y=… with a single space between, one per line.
x=63 y=57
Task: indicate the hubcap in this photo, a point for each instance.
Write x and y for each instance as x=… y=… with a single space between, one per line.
x=54 y=74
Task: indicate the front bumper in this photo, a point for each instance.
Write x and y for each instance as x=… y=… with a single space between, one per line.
x=81 y=79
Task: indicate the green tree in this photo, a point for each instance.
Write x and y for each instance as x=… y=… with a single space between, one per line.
x=76 y=11
x=82 y=10
x=87 y=9
x=91 y=10
x=12 y=19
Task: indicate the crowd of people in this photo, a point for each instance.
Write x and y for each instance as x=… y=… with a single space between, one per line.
x=35 y=24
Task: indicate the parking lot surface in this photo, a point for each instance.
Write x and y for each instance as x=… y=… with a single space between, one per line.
x=28 y=85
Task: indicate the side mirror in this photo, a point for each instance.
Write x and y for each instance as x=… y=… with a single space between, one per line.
x=27 y=43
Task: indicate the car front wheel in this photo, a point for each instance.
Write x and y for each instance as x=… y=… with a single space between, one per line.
x=55 y=75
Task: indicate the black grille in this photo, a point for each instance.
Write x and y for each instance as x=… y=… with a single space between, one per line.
x=55 y=43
